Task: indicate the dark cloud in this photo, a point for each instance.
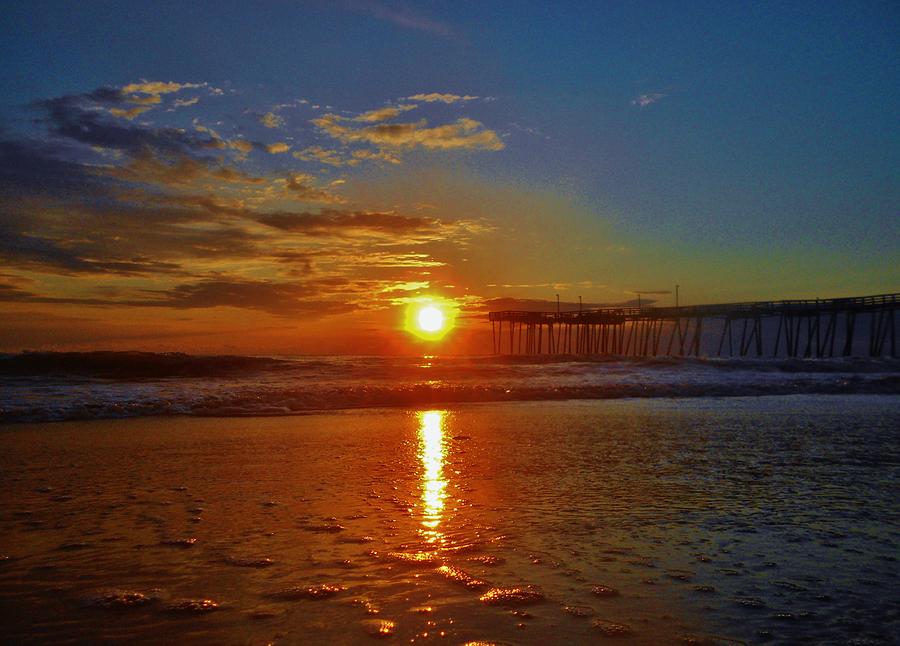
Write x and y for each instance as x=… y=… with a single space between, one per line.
x=26 y=251
x=306 y=300
x=402 y=16
x=12 y=294
x=283 y=299
x=103 y=210
x=331 y=220
x=30 y=167
x=82 y=118
x=538 y=305
x=182 y=171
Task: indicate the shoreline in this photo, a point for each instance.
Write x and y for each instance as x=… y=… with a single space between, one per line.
x=702 y=516
x=890 y=390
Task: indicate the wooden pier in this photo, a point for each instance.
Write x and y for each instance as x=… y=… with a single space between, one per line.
x=796 y=328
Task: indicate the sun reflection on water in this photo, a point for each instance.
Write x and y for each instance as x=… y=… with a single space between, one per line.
x=432 y=453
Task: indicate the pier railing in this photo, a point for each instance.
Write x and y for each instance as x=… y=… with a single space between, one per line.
x=809 y=327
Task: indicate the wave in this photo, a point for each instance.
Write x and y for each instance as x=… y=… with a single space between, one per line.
x=292 y=401
x=132 y=365
x=129 y=365
x=48 y=386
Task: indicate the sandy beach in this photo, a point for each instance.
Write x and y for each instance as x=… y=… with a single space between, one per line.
x=656 y=521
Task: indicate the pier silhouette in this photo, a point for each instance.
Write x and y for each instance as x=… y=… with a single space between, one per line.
x=802 y=328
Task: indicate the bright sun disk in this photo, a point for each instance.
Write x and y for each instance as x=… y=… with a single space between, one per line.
x=431 y=319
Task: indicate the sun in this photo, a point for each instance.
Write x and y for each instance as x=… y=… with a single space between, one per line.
x=430 y=318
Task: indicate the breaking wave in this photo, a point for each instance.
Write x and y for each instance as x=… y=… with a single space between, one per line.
x=95 y=385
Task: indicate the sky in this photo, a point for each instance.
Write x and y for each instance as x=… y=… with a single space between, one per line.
x=288 y=177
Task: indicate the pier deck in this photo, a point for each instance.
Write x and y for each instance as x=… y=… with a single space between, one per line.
x=805 y=328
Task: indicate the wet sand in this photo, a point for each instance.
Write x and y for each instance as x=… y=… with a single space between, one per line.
x=763 y=520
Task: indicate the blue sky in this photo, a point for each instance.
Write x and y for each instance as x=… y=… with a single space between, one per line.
x=727 y=145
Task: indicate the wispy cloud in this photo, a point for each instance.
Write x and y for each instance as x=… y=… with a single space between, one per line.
x=443 y=98
x=464 y=133
x=99 y=208
x=383 y=114
x=278 y=148
x=400 y=15
x=271 y=120
x=647 y=99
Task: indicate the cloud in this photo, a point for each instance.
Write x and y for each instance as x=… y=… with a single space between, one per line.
x=151 y=100
x=647 y=99
x=302 y=186
x=271 y=120
x=241 y=145
x=100 y=209
x=148 y=94
x=323 y=156
x=181 y=171
x=334 y=158
x=155 y=88
x=529 y=305
x=462 y=134
x=383 y=114
x=376 y=155
x=401 y=16
x=443 y=98
x=279 y=298
x=81 y=118
x=130 y=113
x=337 y=221
x=29 y=250
x=306 y=300
x=181 y=103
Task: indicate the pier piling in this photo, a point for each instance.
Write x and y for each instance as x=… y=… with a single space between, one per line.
x=802 y=328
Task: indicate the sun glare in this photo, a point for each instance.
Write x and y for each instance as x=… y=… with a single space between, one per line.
x=430 y=319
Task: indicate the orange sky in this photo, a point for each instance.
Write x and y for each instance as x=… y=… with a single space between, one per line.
x=298 y=202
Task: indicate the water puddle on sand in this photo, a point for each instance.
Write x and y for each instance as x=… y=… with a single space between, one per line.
x=492 y=524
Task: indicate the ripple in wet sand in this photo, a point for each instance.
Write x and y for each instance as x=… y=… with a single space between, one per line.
x=325 y=528
x=193 y=606
x=356 y=539
x=370 y=608
x=415 y=558
x=179 y=542
x=486 y=560
x=249 y=562
x=680 y=575
x=513 y=596
x=749 y=602
x=460 y=576
x=578 y=611
x=381 y=628
x=610 y=628
x=321 y=591
x=71 y=547
x=114 y=599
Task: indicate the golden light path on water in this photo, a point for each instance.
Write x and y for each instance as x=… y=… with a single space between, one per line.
x=432 y=451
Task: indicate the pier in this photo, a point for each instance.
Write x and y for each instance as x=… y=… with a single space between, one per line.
x=859 y=325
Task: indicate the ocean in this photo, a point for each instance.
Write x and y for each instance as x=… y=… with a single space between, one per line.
x=36 y=387
x=154 y=498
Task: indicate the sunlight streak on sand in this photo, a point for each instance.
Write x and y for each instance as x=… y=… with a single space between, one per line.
x=432 y=453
